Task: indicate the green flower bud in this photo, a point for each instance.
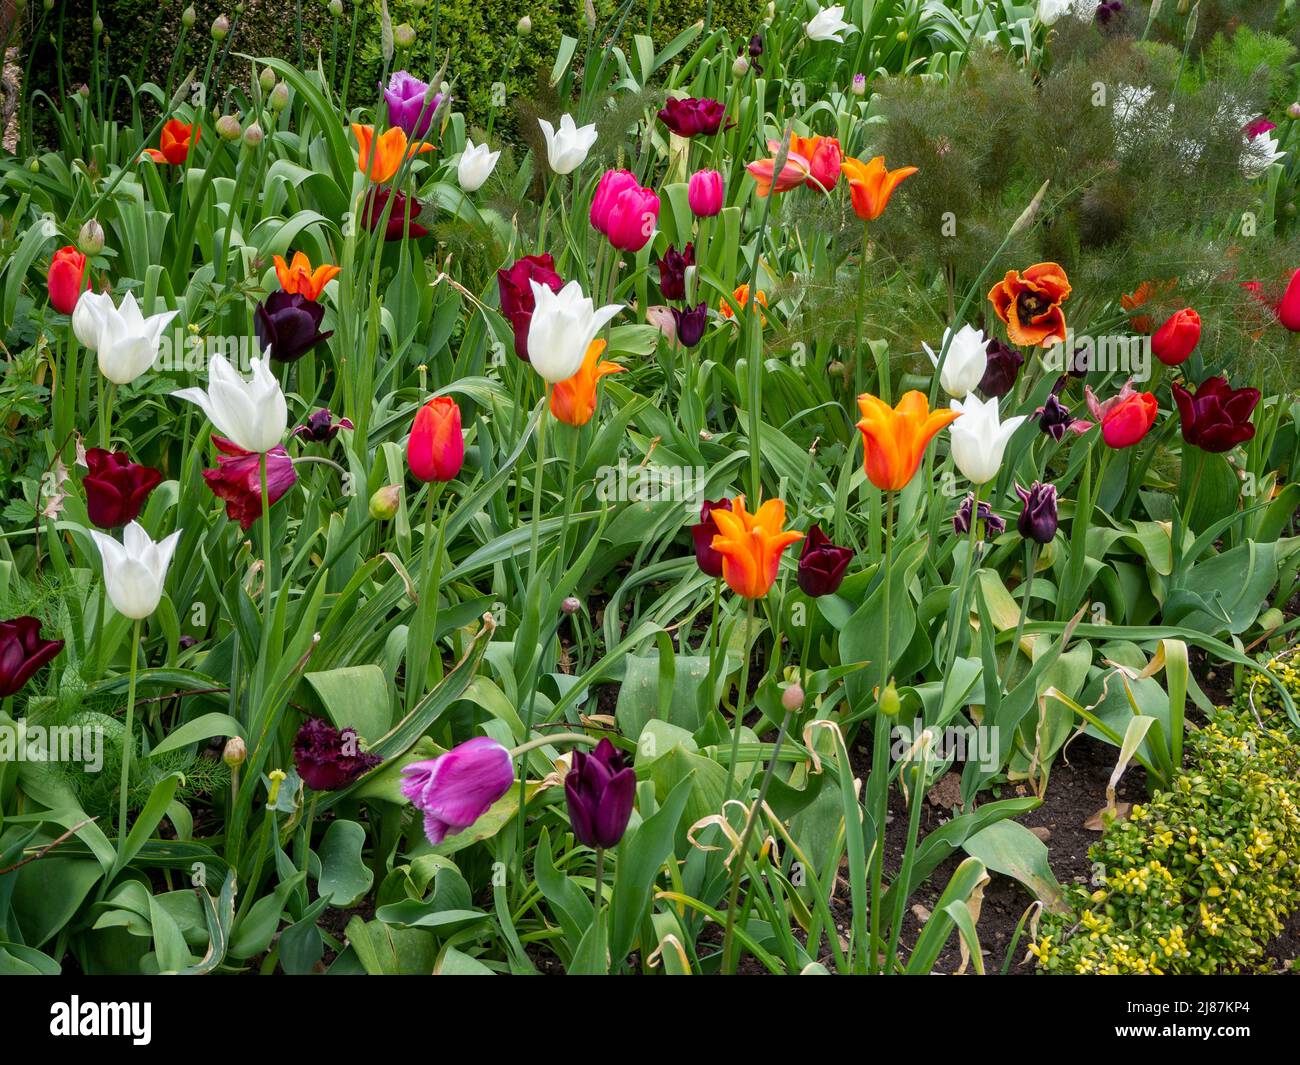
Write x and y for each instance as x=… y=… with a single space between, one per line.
x=220 y=27
x=279 y=97
x=524 y=26
x=188 y=17
x=266 y=79
x=235 y=752
x=228 y=128
x=404 y=35
x=90 y=238
x=253 y=136
x=890 y=704
x=385 y=502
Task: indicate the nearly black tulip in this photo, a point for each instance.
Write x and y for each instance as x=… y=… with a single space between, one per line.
x=289 y=324
x=22 y=653
x=599 y=790
x=710 y=561
x=1055 y=419
x=822 y=564
x=1003 y=367
x=993 y=525
x=321 y=426
x=328 y=759
x=672 y=271
x=1037 y=519
x=691 y=323
x=1217 y=417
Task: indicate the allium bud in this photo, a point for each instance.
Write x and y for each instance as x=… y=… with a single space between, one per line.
x=220 y=27
x=384 y=503
x=901 y=36
x=98 y=25
x=792 y=698
x=1294 y=110
x=188 y=16
x=235 y=752
x=571 y=605
x=90 y=238
x=83 y=90
x=253 y=135
x=279 y=98
x=524 y=26
x=404 y=35
x=336 y=8
x=740 y=67
x=266 y=79
x=228 y=128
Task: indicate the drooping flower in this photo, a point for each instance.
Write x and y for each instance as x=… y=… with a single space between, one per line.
x=822 y=564
x=1003 y=368
x=329 y=759
x=689 y=323
x=289 y=325
x=66 y=279
x=125 y=341
x=871 y=185
x=379 y=157
x=174 y=142
x=516 y=292
x=116 y=488
x=1173 y=342
x=457 y=788
x=741 y=296
x=1055 y=419
x=1125 y=418
x=751 y=545
x=563 y=326
x=237 y=479
x=135 y=569
x=672 y=271
x=992 y=523
x=401 y=216
x=1037 y=520
x=573 y=401
x=812 y=161
x=895 y=438
x=411 y=104
x=1216 y=417
x=692 y=117
x=475 y=165
x=704 y=193
x=980 y=438
x=22 y=653
x=599 y=790
x=321 y=426
x=252 y=414
x=435 y=450
x=702 y=534
x=965 y=363
x=1030 y=304
x=829 y=25
x=297 y=276
x=567 y=147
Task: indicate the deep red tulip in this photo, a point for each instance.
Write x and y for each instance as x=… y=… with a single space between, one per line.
x=1217 y=417
x=599 y=790
x=22 y=653
x=710 y=561
x=116 y=488
x=693 y=117
x=66 y=279
x=822 y=564
x=517 y=300
x=1173 y=342
x=672 y=271
x=404 y=207
x=328 y=759
x=238 y=479
x=436 y=449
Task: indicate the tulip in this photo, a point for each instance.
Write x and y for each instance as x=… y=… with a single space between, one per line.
x=457 y=788
x=321 y=427
x=1288 y=311
x=965 y=363
x=672 y=271
x=174 y=142
x=1217 y=417
x=709 y=560
x=379 y=157
x=611 y=185
x=563 y=326
x=517 y=304
x=135 y=569
x=237 y=479
x=704 y=193
x=1051 y=10
x=22 y=653
x=895 y=438
x=88 y=317
x=751 y=545
x=298 y=276
x=435 y=450
x=993 y=525
x=1037 y=519
x=693 y=117
x=90 y=237
x=871 y=185
x=980 y=438
x=1055 y=419
x=626 y=213
x=812 y=161
x=251 y=414
x=1003 y=368
x=328 y=759
x=574 y=401
x=475 y=165
x=1125 y=418
x=411 y=104
x=125 y=341
x=116 y=488
x=741 y=297
x=1106 y=11
x=829 y=25
x=1173 y=342
x=1030 y=304
x=288 y=325
x=599 y=789
x=402 y=215
x=567 y=148
x=663 y=319
x=66 y=279
x=1259 y=153
x=822 y=564
x=689 y=324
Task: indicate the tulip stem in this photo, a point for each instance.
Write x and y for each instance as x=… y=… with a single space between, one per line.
x=598 y=902
x=266 y=541
x=742 y=697
x=1031 y=561
x=879 y=784
x=552 y=740
x=107 y=391
x=124 y=781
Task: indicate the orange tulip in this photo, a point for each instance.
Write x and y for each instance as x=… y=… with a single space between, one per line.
x=298 y=276
x=1030 y=303
x=871 y=185
x=751 y=545
x=895 y=438
x=389 y=149
x=174 y=142
x=741 y=296
x=574 y=401
x=812 y=161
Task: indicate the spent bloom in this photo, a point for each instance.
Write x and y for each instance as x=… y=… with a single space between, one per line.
x=327 y=758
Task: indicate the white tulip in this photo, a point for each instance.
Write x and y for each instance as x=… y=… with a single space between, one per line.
x=125 y=341
x=475 y=166
x=88 y=317
x=567 y=148
x=1051 y=10
x=1260 y=153
x=135 y=569
x=965 y=363
x=979 y=438
x=252 y=413
x=563 y=326
x=829 y=25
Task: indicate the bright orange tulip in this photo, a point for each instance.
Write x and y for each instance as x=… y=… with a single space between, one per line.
x=751 y=545
x=741 y=296
x=298 y=276
x=1030 y=304
x=895 y=438
x=389 y=149
x=174 y=142
x=871 y=185
x=574 y=401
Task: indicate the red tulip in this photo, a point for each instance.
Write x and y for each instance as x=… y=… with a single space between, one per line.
x=1126 y=418
x=238 y=479
x=1173 y=342
x=66 y=279
x=709 y=560
x=436 y=449
x=517 y=300
x=1217 y=417
x=1288 y=310
x=116 y=487
x=22 y=653
x=174 y=142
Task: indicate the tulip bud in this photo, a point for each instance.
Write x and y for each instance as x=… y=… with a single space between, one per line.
x=524 y=26
x=385 y=502
x=890 y=704
x=266 y=79
x=98 y=25
x=1294 y=110
x=740 y=67
x=279 y=98
x=336 y=8
x=404 y=35
x=90 y=239
x=571 y=605
x=220 y=28
x=1174 y=341
x=792 y=698
x=859 y=85
x=188 y=16
x=235 y=752
x=228 y=128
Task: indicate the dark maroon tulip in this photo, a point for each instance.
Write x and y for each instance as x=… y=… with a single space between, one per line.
x=328 y=759
x=116 y=488
x=238 y=479
x=1003 y=368
x=1106 y=11
x=1037 y=519
x=710 y=561
x=822 y=564
x=22 y=653
x=404 y=207
x=289 y=324
x=993 y=525
x=517 y=302
x=1217 y=417
x=321 y=427
x=1055 y=419
x=755 y=50
x=691 y=323
x=672 y=271
x=599 y=789
x=693 y=117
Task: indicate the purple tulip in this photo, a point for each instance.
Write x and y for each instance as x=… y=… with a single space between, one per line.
x=1003 y=368
x=1055 y=419
x=599 y=789
x=1037 y=519
x=691 y=323
x=321 y=427
x=822 y=564
x=993 y=525
x=409 y=104
x=693 y=117
x=328 y=759
x=22 y=653
x=672 y=271
x=709 y=560
x=457 y=788
x=289 y=324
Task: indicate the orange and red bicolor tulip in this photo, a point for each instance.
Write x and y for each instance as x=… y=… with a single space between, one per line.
x=812 y=161
x=871 y=185
x=174 y=142
x=574 y=401
x=379 y=157
x=1124 y=418
x=298 y=276
x=895 y=438
x=66 y=279
x=741 y=296
x=1030 y=304
x=751 y=545
x=436 y=449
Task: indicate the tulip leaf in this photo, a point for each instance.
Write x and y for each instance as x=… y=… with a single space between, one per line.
x=355 y=697
x=201 y=728
x=344 y=877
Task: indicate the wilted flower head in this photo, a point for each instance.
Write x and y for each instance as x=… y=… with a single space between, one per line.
x=328 y=759
x=992 y=524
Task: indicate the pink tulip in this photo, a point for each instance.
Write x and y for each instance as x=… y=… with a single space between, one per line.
x=457 y=788
x=704 y=193
x=612 y=184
